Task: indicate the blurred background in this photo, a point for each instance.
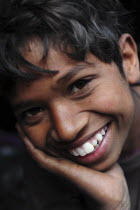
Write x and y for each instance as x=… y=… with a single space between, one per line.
x=12 y=151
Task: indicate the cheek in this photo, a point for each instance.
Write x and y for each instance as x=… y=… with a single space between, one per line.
x=37 y=134
x=112 y=99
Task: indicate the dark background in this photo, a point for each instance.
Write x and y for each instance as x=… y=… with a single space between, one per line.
x=134 y=7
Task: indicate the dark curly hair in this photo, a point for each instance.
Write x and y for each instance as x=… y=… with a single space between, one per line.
x=93 y=26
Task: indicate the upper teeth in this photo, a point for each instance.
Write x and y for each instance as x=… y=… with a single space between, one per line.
x=90 y=145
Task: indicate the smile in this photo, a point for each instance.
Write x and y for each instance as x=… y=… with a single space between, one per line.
x=91 y=145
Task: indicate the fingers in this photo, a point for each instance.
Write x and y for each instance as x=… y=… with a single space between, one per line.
x=106 y=188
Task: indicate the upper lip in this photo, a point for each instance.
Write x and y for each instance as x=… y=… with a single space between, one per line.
x=78 y=142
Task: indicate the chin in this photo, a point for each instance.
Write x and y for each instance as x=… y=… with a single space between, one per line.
x=103 y=166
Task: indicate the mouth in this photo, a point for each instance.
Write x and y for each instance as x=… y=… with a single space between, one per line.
x=90 y=150
x=91 y=145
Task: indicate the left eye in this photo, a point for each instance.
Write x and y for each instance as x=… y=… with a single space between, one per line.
x=78 y=85
x=33 y=112
x=32 y=115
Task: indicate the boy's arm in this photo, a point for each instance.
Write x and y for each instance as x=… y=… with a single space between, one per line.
x=108 y=188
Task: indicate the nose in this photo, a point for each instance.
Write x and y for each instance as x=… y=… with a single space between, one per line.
x=67 y=121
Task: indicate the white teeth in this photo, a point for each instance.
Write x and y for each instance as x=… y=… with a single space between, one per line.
x=96 y=146
x=99 y=137
x=88 y=147
x=94 y=142
x=73 y=152
x=80 y=151
x=103 y=132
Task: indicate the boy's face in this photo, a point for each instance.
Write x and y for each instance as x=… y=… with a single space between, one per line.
x=84 y=108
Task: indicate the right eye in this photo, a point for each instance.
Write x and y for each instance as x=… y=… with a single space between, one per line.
x=32 y=115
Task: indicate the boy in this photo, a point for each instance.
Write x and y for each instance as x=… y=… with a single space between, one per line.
x=71 y=68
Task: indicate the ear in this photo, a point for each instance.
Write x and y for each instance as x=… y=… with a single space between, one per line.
x=130 y=58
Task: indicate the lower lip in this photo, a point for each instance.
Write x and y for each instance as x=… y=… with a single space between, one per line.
x=100 y=152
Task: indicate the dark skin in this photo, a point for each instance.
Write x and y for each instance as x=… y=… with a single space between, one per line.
x=71 y=113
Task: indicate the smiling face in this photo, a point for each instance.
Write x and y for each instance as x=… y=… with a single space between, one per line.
x=82 y=113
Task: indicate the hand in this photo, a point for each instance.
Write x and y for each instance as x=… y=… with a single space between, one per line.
x=108 y=188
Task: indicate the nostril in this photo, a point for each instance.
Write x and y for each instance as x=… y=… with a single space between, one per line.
x=63 y=137
x=68 y=129
x=54 y=135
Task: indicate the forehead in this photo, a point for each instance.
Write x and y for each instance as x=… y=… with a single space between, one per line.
x=58 y=61
x=54 y=59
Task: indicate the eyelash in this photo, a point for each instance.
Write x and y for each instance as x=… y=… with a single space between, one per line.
x=32 y=116
x=82 y=82
x=35 y=114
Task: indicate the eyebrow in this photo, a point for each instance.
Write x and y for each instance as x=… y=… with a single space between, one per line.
x=25 y=105
x=72 y=72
